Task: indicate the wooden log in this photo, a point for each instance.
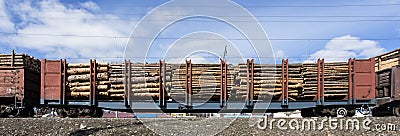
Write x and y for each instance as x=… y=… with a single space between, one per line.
x=277 y=85
x=117 y=95
x=146 y=94
x=78 y=84
x=87 y=88
x=327 y=91
x=146 y=90
x=74 y=71
x=72 y=84
x=260 y=93
x=146 y=85
x=114 y=91
x=326 y=95
x=86 y=94
x=278 y=81
x=244 y=88
x=83 y=65
x=144 y=79
x=86 y=77
x=135 y=79
x=392 y=53
x=117 y=86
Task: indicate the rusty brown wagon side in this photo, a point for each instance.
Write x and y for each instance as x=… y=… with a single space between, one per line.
x=19 y=84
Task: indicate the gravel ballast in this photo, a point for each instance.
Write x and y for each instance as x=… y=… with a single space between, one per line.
x=198 y=126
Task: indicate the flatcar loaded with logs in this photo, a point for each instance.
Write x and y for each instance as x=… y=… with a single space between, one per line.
x=85 y=89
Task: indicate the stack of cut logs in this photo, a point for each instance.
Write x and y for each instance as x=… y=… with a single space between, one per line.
x=116 y=80
x=268 y=80
x=79 y=77
x=20 y=60
x=387 y=60
x=335 y=76
x=145 y=80
x=205 y=81
x=302 y=80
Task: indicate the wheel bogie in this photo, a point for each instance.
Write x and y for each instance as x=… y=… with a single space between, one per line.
x=390 y=109
x=331 y=111
x=396 y=111
x=73 y=112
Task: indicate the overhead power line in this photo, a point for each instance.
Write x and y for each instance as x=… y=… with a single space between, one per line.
x=228 y=6
x=235 y=16
x=222 y=15
x=267 y=21
x=174 y=38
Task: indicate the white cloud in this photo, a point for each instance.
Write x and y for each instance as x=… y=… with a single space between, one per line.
x=90 y=5
x=279 y=54
x=201 y=50
x=6 y=25
x=342 y=48
x=75 y=21
x=197 y=59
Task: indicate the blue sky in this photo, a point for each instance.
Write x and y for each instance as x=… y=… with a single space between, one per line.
x=302 y=30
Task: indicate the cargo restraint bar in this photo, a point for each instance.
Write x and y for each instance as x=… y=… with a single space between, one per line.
x=320 y=82
x=162 y=82
x=93 y=82
x=127 y=83
x=350 y=95
x=250 y=83
x=189 y=91
x=63 y=81
x=285 y=83
x=223 y=83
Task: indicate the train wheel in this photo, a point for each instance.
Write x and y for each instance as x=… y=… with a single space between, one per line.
x=319 y=112
x=29 y=112
x=14 y=112
x=98 y=113
x=351 y=113
x=376 y=113
x=73 y=113
x=61 y=113
x=396 y=111
x=307 y=112
x=93 y=112
x=381 y=111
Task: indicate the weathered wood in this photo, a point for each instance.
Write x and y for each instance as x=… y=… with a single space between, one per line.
x=113 y=91
x=19 y=60
x=74 y=71
x=86 y=94
x=83 y=65
x=146 y=85
x=146 y=94
x=144 y=79
x=78 y=84
x=87 y=88
x=86 y=77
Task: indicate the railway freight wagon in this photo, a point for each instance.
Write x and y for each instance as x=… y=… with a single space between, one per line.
x=19 y=84
x=317 y=89
x=388 y=84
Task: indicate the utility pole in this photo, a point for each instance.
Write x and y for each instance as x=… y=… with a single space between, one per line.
x=225 y=52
